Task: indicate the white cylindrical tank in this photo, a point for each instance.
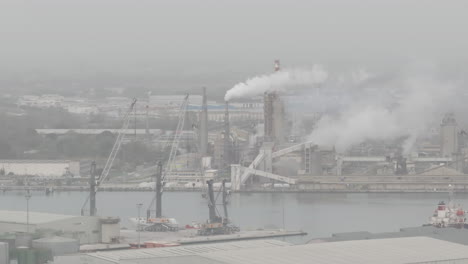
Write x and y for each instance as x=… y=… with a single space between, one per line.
x=58 y=245
x=23 y=240
x=4 y=253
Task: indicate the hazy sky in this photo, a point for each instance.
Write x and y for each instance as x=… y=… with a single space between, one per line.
x=212 y=38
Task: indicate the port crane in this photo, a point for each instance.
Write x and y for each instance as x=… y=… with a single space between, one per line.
x=160 y=223
x=217 y=225
x=96 y=182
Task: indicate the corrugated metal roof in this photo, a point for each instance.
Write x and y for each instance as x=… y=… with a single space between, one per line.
x=19 y=217
x=455 y=235
x=152 y=253
x=173 y=260
x=78 y=259
x=391 y=251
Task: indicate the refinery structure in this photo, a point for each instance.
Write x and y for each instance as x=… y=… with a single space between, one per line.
x=275 y=153
x=261 y=143
x=257 y=142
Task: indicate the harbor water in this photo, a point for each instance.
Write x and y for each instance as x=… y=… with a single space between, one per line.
x=318 y=214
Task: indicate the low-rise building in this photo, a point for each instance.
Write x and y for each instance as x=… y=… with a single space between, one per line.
x=40 y=168
x=85 y=229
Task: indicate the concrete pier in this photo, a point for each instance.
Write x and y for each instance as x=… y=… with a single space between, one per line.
x=185 y=237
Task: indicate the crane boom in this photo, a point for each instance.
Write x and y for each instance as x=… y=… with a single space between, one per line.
x=174 y=146
x=177 y=136
x=114 y=151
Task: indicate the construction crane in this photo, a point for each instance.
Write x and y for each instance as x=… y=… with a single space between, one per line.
x=217 y=225
x=159 y=223
x=96 y=182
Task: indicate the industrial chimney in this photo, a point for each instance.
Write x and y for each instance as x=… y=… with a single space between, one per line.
x=204 y=126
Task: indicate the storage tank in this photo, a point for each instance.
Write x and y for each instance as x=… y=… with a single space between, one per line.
x=10 y=239
x=4 y=253
x=33 y=256
x=58 y=245
x=23 y=240
x=26 y=256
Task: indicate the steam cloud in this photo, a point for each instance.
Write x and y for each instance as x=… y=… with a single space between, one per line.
x=277 y=81
x=402 y=107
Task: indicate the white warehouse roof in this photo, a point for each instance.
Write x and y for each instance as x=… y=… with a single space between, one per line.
x=382 y=251
x=35 y=218
x=394 y=250
x=157 y=253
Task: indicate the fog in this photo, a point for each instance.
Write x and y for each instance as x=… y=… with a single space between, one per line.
x=218 y=43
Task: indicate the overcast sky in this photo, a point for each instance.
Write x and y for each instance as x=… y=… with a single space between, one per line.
x=216 y=37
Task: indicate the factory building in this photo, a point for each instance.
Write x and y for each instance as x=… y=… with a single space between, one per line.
x=40 y=168
x=85 y=229
x=274 y=118
x=223 y=151
x=449 y=136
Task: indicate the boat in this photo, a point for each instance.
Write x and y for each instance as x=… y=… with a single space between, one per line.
x=448 y=215
x=193 y=225
x=155 y=224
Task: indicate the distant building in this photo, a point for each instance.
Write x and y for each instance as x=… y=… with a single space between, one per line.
x=449 y=136
x=40 y=168
x=86 y=229
x=173 y=100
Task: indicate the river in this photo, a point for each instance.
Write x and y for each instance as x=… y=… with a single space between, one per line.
x=319 y=214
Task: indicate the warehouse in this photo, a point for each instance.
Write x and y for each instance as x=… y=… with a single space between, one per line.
x=86 y=229
x=391 y=251
x=160 y=255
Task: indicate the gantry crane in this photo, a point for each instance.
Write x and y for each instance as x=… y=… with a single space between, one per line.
x=96 y=182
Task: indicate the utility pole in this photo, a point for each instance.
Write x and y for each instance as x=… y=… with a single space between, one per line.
x=138 y=226
x=28 y=196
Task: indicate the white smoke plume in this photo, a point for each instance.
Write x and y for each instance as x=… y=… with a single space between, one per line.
x=402 y=107
x=277 y=81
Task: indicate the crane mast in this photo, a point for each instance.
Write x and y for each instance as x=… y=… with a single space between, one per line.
x=172 y=154
x=110 y=160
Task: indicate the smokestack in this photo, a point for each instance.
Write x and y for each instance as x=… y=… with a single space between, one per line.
x=204 y=126
x=269 y=99
x=227 y=139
